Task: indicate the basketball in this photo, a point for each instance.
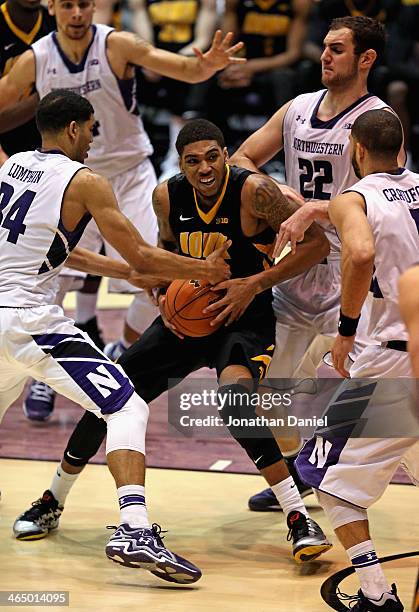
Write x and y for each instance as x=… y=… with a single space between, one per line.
x=184 y=305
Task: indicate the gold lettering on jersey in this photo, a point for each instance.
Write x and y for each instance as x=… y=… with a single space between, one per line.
x=219 y=220
x=266 y=25
x=266 y=250
x=200 y=244
x=175 y=19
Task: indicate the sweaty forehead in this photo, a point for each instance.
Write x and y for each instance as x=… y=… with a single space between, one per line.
x=342 y=36
x=201 y=147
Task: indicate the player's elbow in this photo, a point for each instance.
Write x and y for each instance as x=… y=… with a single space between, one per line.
x=362 y=255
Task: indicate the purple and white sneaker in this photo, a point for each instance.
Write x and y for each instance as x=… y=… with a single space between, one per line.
x=143 y=547
x=39 y=403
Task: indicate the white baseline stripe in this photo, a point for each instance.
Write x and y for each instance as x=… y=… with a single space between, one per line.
x=220 y=465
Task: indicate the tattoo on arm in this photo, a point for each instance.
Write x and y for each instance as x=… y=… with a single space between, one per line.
x=167 y=240
x=271 y=205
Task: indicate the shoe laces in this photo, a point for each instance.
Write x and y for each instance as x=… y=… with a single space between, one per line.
x=41 y=391
x=39 y=507
x=155 y=528
x=300 y=524
x=351 y=599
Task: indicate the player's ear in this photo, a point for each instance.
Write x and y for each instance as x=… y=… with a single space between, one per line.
x=73 y=129
x=368 y=58
x=51 y=7
x=225 y=153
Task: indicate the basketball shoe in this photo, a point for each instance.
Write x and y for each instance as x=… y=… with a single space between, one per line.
x=388 y=602
x=308 y=539
x=39 y=520
x=39 y=402
x=266 y=501
x=144 y=548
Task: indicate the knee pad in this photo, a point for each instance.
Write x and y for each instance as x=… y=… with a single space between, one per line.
x=141 y=313
x=259 y=443
x=85 y=440
x=340 y=512
x=127 y=426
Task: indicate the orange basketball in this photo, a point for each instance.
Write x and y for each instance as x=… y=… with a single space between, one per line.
x=184 y=305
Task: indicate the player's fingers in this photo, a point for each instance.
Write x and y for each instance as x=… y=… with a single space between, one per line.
x=227 y=40
x=281 y=242
x=222 y=315
x=217 y=38
x=235 y=48
x=238 y=60
x=198 y=53
x=223 y=301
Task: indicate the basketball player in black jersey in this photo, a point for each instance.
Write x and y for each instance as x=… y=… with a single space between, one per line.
x=22 y=22
x=208 y=203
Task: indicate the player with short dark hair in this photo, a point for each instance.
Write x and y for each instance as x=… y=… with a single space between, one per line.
x=189 y=207
x=348 y=462
x=48 y=196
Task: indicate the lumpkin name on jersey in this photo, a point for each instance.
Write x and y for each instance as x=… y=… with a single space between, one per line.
x=324 y=148
x=24 y=174
x=86 y=88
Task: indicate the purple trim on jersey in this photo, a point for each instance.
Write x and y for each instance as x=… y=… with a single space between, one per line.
x=51 y=152
x=96 y=375
x=127 y=87
x=49 y=340
x=311 y=474
x=415 y=216
x=330 y=123
x=131 y=500
x=357 y=392
x=74 y=68
x=109 y=400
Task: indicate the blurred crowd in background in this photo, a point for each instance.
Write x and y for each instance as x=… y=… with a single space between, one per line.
x=283 y=43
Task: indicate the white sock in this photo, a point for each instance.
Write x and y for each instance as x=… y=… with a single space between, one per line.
x=371 y=576
x=286 y=492
x=132 y=506
x=85 y=306
x=61 y=484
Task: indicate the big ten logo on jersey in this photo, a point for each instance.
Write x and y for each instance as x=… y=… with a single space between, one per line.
x=201 y=244
x=175 y=18
x=219 y=220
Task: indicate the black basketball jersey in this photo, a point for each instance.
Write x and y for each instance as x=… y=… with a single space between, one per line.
x=173 y=22
x=14 y=42
x=264 y=26
x=198 y=234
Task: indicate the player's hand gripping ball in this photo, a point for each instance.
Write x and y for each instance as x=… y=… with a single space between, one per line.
x=184 y=305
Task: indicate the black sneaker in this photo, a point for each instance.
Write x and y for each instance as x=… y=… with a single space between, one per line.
x=95 y=333
x=39 y=520
x=308 y=540
x=266 y=501
x=388 y=602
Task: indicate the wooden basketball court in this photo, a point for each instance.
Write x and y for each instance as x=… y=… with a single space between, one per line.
x=244 y=556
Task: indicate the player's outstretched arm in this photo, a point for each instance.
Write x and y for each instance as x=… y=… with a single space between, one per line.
x=261 y=146
x=263 y=205
x=137 y=51
x=16 y=83
x=409 y=308
x=92 y=192
x=347 y=213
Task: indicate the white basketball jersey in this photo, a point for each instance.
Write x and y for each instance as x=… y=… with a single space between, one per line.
x=318 y=165
x=392 y=207
x=120 y=141
x=34 y=244
x=317 y=153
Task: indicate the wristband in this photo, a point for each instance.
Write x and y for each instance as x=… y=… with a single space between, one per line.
x=347 y=326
